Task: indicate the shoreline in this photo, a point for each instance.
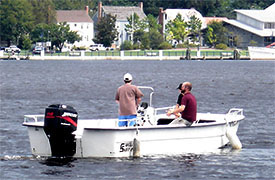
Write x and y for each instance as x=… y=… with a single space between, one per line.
x=157 y=58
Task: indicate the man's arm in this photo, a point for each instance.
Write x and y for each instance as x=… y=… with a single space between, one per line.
x=176 y=110
x=138 y=101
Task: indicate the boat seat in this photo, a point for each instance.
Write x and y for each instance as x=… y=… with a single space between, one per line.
x=204 y=121
x=164 y=121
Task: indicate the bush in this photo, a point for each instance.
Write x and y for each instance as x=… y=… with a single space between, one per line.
x=186 y=44
x=165 y=45
x=221 y=46
x=136 y=46
x=126 y=45
x=25 y=42
x=79 y=48
x=180 y=46
x=193 y=45
x=253 y=43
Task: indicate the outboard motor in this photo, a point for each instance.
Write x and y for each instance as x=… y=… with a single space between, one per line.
x=59 y=123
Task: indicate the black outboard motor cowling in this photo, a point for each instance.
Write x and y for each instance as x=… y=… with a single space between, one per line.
x=59 y=123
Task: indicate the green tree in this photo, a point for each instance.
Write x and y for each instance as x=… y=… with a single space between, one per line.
x=126 y=45
x=43 y=11
x=74 y=4
x=152 y=23
x=176 y=29
x=216 y=34
x=205 y=7
x=26 y=42
x=194 y=26
x=106 y=32
x=145 y=41
x=16 y=20
x=135 y=26
x=155 y=39
x=211 y=38
x=40 y=33
x=60 y=33
x=146 y=31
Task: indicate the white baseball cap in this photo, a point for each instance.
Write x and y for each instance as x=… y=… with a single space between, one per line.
x=127 y=77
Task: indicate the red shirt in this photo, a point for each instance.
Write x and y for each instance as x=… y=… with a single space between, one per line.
x=190 y=111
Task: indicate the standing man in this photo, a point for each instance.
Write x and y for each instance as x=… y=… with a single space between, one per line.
x=128 y=97
x=188 y=107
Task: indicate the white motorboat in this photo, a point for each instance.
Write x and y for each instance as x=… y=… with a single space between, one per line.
x=262 y=53
x=59 y=133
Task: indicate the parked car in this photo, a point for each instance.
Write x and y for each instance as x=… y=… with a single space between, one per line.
x=37 y=49
x=109 y=48
x=13 y=49
x=97 y=47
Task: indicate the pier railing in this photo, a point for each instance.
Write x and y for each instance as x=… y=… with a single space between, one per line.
x=161 y=54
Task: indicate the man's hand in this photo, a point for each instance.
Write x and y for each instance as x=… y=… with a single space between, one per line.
x=170 y=112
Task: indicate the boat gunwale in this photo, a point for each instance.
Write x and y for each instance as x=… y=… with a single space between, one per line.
x=32 y=124
x=151 y=127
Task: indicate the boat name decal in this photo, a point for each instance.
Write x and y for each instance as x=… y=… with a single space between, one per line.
x=126 y=146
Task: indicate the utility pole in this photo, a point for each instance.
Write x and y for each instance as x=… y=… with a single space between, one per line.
x=132 y=38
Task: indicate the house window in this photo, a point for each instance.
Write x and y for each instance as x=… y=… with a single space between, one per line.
x=268 y=40
x=269 y=25
x=75 y=25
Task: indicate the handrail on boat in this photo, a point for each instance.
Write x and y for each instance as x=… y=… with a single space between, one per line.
x=164 y=108
x=235 y=111
x=151 y=94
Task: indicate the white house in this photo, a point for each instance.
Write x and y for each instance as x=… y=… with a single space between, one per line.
x=79 y=21
x=254 y=25
x=170 y=14
x=121 y=13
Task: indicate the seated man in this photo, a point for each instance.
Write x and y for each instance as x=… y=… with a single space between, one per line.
x=188 y=107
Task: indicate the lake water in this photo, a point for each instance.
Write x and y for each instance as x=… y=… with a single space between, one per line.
x=28 y=87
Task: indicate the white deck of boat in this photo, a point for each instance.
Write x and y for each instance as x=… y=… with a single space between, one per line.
x=113 y=123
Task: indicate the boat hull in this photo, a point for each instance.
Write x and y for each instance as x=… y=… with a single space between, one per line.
x=261 y=53
x=118 y=141
x=154 y=133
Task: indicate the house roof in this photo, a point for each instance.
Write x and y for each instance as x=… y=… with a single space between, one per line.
x=122 y=12
x=266 y=15
x=260 y=15
x=186 y=14
x=73 y=16
x=218 y=19
x=271 y=7
x=259 y=32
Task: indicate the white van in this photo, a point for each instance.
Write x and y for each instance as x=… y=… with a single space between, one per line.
x=97 y=47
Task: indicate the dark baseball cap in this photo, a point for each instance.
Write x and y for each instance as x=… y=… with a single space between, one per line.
x=179 y=86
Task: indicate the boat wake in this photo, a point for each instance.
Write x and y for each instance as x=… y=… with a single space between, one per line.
x=16 y=157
